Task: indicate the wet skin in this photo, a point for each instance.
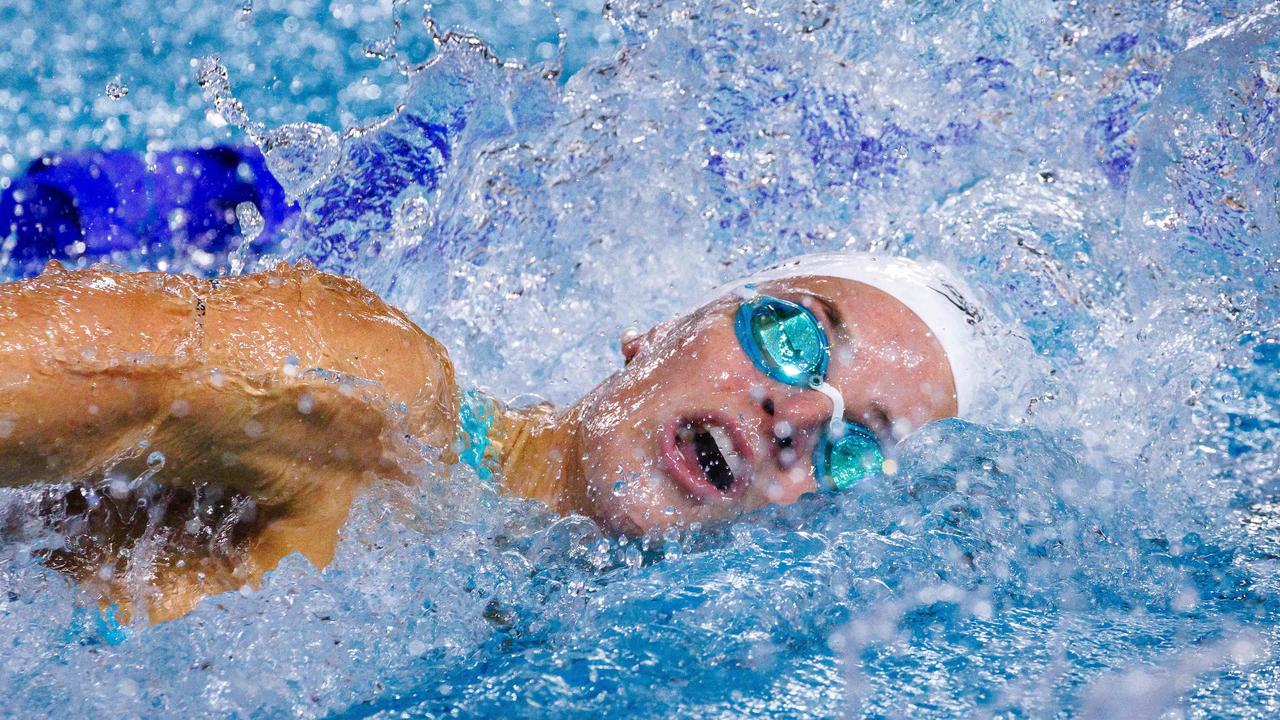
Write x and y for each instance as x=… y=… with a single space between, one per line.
x=287 y=392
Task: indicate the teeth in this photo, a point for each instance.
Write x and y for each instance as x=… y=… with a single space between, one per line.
x=725 y=445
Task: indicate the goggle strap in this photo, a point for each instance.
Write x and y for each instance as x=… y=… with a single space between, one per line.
x=836 y=427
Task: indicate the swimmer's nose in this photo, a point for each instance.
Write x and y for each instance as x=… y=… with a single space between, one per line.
x=804 y=412
x=797 y=418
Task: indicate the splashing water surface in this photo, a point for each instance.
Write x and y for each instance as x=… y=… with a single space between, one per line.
x=1100 y=542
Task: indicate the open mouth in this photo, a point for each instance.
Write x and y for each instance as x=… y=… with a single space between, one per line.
x=707 y=455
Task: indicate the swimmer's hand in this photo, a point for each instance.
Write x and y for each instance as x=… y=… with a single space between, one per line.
x=280 y=393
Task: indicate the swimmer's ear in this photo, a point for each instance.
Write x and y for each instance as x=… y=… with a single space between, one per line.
x=630 y=339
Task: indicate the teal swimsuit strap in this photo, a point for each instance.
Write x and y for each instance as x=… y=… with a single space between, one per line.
x=476 y=415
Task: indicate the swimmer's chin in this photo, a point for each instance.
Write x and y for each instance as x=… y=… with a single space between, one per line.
x=620 y=517
x=628 y=516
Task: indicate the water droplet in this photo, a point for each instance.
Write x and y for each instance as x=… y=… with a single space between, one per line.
x=213 y=79
x=251 y=225
x=201 y=258
x=254 y=429
x=250 y=219
x=301 y=156
x=178 y=220
x=116 y=90
x=118 y=487
x=180 y=408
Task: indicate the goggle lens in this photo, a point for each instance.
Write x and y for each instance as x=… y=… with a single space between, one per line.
x=786 y=342
x=783 y=339
x=845 y=461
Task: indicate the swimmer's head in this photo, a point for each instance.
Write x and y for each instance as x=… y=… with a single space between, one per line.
x=701 y=425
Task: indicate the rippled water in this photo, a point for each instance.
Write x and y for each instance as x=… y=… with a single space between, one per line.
x=1100 y=542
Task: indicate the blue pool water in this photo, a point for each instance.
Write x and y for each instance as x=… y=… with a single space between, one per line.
x=1101 y=541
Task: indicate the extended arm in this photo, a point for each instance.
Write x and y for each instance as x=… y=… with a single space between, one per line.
x=290 y=388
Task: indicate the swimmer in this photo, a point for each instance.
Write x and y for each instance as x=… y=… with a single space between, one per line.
x=261 y=405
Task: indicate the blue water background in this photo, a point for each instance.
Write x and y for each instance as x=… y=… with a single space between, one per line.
x=1101 y=540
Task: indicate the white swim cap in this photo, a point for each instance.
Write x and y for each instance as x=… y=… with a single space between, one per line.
x=946 y=305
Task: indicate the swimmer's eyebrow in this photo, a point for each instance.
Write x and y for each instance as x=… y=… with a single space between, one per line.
x=877 y=419
x=829 y=309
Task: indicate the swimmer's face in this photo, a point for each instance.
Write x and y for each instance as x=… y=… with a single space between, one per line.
x=650 y=433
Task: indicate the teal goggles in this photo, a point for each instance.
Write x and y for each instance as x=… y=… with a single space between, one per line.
x=786 y=341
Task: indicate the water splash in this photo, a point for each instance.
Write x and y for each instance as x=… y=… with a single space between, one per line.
x=213 y=80
x=301 y=156
x=1111 y=512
